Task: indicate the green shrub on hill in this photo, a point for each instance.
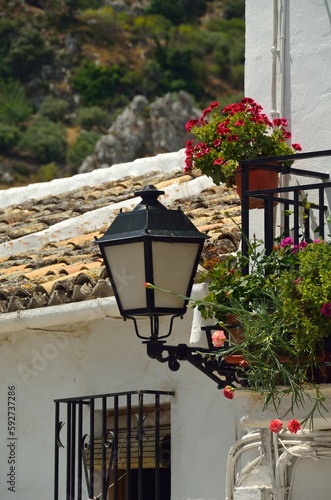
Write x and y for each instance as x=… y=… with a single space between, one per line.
x=44 y=140
x=9 y=137
x=14 y=105
x=94 y=116
x=99 y=84
x=83 y=147
x=22 y=50
x=53 y=108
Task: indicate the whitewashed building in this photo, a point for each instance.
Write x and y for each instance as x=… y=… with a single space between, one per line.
x=62 y=338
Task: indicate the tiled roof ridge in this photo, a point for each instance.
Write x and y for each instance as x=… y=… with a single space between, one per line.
x=162 y=163
x=96 y=219
x=61 y=265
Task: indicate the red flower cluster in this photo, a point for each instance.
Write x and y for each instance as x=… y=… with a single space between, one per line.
x=240 y=131
x=277 y=425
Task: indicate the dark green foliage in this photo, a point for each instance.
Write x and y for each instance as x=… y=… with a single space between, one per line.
x=177 y=11
x=45 y=140
x=82 y=148
x=234 y=9
x=92 y=117
x=180 y=69
x=48 y=172
x=167 y=48
x=171 y=9
x=53 y=108
x=98 y=84
x=22 y=50
x=9 y=137
x=14 y=106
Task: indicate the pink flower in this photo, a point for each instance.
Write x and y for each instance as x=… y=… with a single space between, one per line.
x=218 y=161
x=228 y=392
x=326 y=309
x=276 y=425
x=286 y=242
x=293 y=426
x=300 y=246
x=218 y=338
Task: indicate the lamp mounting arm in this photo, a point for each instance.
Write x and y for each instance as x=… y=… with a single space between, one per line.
x=216 y=368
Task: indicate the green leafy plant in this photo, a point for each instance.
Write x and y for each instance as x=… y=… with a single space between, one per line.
x=283 y=308
x=240 y=132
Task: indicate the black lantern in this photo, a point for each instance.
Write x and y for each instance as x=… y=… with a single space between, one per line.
x=151 y=244
x=161 y=247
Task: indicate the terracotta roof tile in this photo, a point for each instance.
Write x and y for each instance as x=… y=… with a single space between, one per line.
x=65 y=270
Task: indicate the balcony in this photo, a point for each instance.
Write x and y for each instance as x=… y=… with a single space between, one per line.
x=289 y=199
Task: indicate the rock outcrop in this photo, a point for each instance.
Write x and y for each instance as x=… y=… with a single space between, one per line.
x=144 y=129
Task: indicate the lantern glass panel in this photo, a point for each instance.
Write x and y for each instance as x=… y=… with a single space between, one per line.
x=127 y=265
x=173 y=264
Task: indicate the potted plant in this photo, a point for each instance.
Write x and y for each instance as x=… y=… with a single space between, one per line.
x=283 y=308
x=241 y=131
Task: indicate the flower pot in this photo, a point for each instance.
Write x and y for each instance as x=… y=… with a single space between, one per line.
x=235 y=359
x=252 y=413
x=259 y=179
x=235 y=333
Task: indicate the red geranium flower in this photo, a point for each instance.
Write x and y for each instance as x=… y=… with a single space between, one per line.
x=293 y=426
x=228 y=392
x=276 y=425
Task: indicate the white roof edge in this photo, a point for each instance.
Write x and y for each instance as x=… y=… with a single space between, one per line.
x=51 y=316
x=94 y=220
x=75 y=312
x=165 y=162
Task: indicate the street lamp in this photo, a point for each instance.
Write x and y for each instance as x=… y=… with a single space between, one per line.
x=152 y=244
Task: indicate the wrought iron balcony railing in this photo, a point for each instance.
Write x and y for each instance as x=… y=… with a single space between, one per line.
x=291 y=198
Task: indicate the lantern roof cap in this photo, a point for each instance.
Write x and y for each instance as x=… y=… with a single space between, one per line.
x=149 y=195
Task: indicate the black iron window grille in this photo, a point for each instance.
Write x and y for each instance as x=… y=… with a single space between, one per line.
x=290 y=198
x=113 y=447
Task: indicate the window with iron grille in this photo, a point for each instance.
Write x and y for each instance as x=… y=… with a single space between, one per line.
x=113 y=447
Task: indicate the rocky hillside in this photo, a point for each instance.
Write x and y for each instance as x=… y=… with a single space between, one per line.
x=84 y=83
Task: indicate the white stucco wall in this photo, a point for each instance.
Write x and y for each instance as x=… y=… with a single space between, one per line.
x=303 y=96
x=48 y=360
x=302 y=75
x=52 y=357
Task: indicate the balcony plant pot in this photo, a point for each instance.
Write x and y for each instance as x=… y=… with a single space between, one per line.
x=235 y=333
x=252 y=413
x=259 y=180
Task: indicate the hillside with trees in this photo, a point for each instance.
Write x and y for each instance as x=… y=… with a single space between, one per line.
x=69 y=68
